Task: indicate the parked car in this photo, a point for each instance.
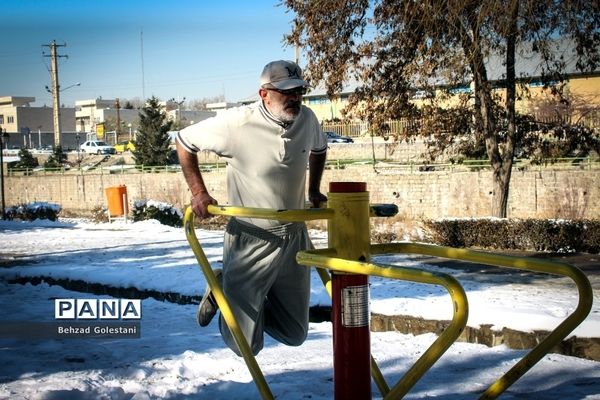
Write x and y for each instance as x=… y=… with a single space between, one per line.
x=333 y=137
x=97 y=147
x=126 y=145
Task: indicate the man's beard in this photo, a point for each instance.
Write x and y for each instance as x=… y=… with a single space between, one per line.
x=287 y=112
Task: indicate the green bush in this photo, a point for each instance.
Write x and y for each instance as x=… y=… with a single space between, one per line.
x=56 y=159
x=518 y=234
x=26 y=159
x=164 y=213
x=33 y=211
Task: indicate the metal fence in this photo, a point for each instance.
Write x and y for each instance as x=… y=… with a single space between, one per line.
x=587 y=163
x=358 y=129
x=353 y=129
x=412 y=125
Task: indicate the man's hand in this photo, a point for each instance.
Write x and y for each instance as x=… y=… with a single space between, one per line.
x=200 y=204
x=200 y=197
x=316 y=198
x=316 y=164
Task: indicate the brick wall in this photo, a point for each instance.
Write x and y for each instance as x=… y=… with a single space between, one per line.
x=543 y=193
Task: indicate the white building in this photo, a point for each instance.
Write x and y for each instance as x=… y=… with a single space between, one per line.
x=90 y=114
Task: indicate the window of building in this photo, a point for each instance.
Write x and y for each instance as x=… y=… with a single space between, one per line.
x=460 y=89
x=1 y=118
x=318 y=100
x=539 y=83
x=422 y=94
x=10 y=119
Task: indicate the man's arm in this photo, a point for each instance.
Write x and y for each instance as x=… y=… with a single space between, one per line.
x=316 y=165
x=200 y=196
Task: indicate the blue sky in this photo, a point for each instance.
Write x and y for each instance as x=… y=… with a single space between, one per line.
x=192 y=49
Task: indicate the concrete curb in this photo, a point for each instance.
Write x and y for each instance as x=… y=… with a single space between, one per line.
x=588 y=348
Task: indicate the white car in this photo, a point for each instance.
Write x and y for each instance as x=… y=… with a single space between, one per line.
x=97 y=147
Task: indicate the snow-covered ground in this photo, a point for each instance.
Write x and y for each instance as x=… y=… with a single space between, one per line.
x=176 y=359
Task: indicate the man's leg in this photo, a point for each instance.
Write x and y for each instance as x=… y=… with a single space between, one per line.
x=208 y=305
x=287 y=306
x=247 y=277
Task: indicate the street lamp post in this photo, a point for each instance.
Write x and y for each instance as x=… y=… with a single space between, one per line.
x=179 y=103
x=3 y=135
x=77 y=137
x=26 y=135
x=178 y=116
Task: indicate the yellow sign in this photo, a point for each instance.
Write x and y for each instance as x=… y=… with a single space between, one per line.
x=100 y=130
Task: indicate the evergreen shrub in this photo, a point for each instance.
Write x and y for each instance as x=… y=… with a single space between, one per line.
x=563 y=236
x=56 y=159
x=164 y=213
x=33 y=211
x=26 y=159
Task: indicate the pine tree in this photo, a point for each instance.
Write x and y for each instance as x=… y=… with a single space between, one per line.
x=56 y=159
x=152 y=142
x=27 y=160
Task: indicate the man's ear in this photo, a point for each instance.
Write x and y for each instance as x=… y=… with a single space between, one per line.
x=262 y=93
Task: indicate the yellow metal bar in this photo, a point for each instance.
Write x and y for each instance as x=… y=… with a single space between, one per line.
x=348 y=231
x=308 y=214
x=325 y=278
x=531 y=264
x=226 y=312
x=441 y=344
x=377 y=376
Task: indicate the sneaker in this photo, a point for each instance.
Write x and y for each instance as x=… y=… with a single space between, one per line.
x=208 y=305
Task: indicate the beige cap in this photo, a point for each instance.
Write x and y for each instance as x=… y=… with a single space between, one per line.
x=282 y=75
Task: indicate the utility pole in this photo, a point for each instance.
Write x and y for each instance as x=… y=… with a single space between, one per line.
x=142 y=50
x=118 y=128
x=55 y=88
x=3 y=135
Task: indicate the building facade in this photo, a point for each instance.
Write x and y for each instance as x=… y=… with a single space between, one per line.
x=581 y=89
x=104 y=119
x=32 y=127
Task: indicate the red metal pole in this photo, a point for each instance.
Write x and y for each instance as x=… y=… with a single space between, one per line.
x=349 y=234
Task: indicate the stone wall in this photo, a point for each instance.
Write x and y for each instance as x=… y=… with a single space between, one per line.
x=542 y=193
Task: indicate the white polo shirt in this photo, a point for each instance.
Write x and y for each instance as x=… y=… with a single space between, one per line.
x=266 y=163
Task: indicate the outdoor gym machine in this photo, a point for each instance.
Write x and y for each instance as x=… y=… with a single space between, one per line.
x=348 y=258
x=349 y=230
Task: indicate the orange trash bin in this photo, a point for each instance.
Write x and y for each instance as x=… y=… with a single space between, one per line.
x=117 y=201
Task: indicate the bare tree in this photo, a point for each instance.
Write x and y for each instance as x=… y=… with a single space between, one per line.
x=133 y=103
x=200 y=104
x=391 y=47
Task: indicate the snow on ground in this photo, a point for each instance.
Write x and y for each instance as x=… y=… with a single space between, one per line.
x=176 y=359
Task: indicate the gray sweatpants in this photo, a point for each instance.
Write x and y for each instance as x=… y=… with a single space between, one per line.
x=267 y=290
